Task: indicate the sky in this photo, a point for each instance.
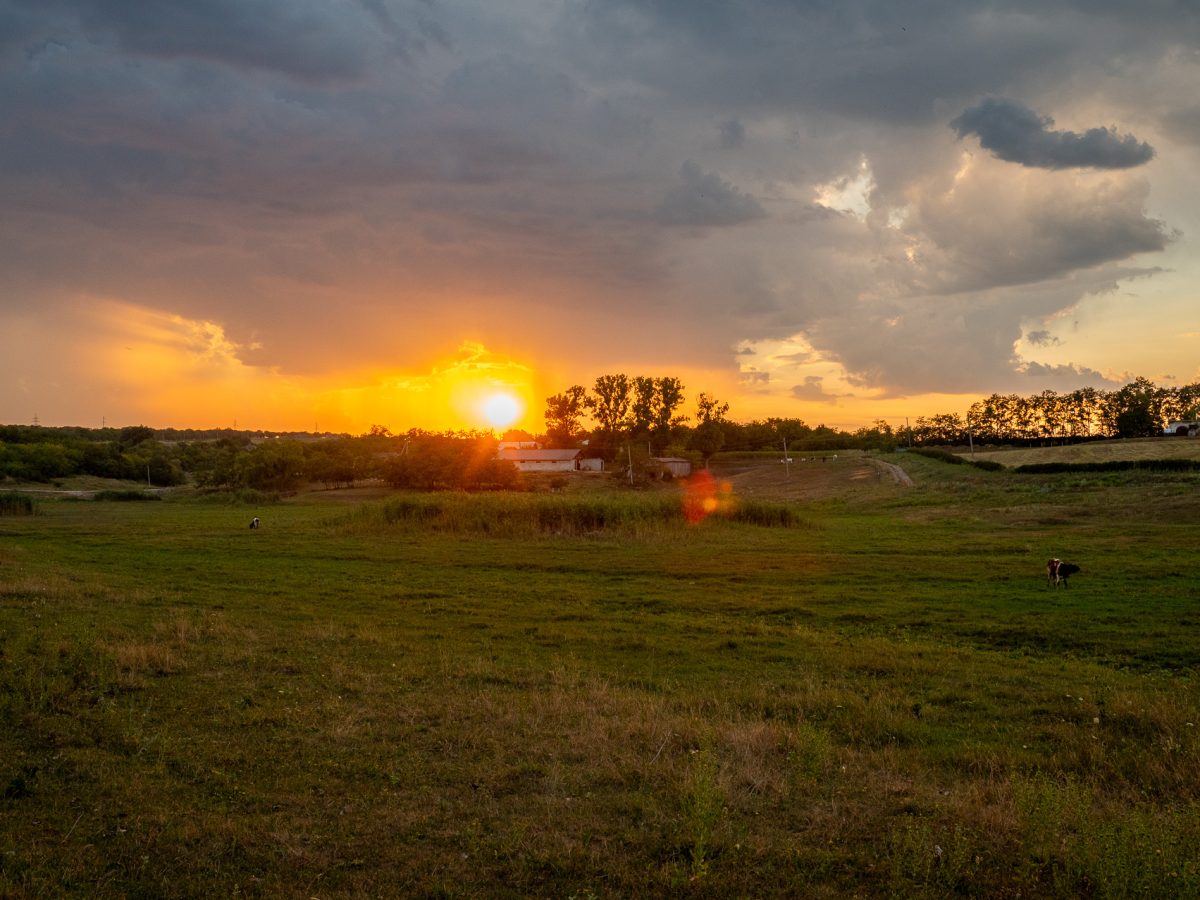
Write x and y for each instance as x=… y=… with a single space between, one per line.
x=329 y=214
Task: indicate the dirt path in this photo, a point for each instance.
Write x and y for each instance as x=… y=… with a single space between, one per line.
x=897 y=474
x=814 y=478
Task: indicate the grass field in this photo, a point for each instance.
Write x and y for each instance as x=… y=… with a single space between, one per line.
x=877 y=696
x=1095 y=452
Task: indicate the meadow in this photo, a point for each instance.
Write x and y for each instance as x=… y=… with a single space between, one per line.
x=862 y=689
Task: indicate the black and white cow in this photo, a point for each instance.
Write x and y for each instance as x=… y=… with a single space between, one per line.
x=1057 y=572
x=254 y=523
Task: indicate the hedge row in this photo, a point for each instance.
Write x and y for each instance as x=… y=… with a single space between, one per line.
x=954 y=459
x=1115 y=465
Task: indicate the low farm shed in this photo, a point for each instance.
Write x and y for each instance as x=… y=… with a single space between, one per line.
x=532 y=460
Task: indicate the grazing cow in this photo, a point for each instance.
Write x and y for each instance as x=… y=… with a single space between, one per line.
x=1057 y=572
x=254 y=522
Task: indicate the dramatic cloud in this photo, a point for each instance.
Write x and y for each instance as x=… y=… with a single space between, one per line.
x=704 y=198
x=813 y=389
x=351 y=188
x=733 y=134
x=1041 y=338
x=311 y=42
x=1016 y=133
x=1066 y=375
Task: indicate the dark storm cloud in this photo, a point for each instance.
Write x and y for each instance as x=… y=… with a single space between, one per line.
x=1015 y=133
x=1041 y=338
x=704 y=199
x=1184 y=125
x=813 y=389
x=257 y=162
x=310 y=41
x=1067 y=374
x=733 y=134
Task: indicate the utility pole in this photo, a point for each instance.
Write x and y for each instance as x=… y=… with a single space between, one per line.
x=908 y=428
x=787 y=463
x=629 y=451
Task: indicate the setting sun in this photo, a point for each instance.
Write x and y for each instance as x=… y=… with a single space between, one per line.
x=501 y=410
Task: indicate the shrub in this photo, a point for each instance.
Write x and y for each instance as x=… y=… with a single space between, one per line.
x=939 y=455
x=242 y=497
x=125 y=495
x=988 y=465
x=15 y=504
x=1113 y=465
x=526 y=515
x=954 y=459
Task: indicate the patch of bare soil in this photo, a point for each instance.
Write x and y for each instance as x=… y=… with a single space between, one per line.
x=815 y=479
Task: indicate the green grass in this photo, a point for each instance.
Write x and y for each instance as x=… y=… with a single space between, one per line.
x=447 y=696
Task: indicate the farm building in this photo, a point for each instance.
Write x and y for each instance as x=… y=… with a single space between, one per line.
x=668 y=467
x=1182 y=429
x=534 y=459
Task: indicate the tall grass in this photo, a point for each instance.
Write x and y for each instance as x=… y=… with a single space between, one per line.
x=531 y=515
x=16 y=504
x=125 y=496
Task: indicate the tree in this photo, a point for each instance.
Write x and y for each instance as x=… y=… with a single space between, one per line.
x=563 y=414
x=1187 y=397
x=133 y=435
x=1082 y=411
x=1135 y=410
x=669 y=398
x=709 y=435
x=653 y=409
x=271 y=466
x=645 y=393
x=609 y=404
x=1052 y=409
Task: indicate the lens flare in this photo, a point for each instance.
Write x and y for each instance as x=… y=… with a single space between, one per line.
x=703 y=495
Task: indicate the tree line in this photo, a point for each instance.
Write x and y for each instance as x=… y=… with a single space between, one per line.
x=645 y=412
x=629 y=418
x=1138 y=409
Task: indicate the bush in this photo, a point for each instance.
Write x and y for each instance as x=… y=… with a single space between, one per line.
x=527 y=515
x=14 y=504
x=954 y=459
x=125 y=496
x=988 y=465
x=770 y=515
x=939 y=455
x=1113 y=465
x=242 y=497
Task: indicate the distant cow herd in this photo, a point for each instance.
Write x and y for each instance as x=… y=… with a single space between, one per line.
x=1057 y=572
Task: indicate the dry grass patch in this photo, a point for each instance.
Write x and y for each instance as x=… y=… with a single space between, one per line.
x=1095 y=452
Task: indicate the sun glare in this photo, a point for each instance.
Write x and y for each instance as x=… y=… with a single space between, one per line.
x=501 y=410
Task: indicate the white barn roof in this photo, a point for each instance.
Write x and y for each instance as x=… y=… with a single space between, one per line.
x=517 y=454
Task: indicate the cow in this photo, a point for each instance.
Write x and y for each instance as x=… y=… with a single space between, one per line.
x=1057 y=572
x=254 y=523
